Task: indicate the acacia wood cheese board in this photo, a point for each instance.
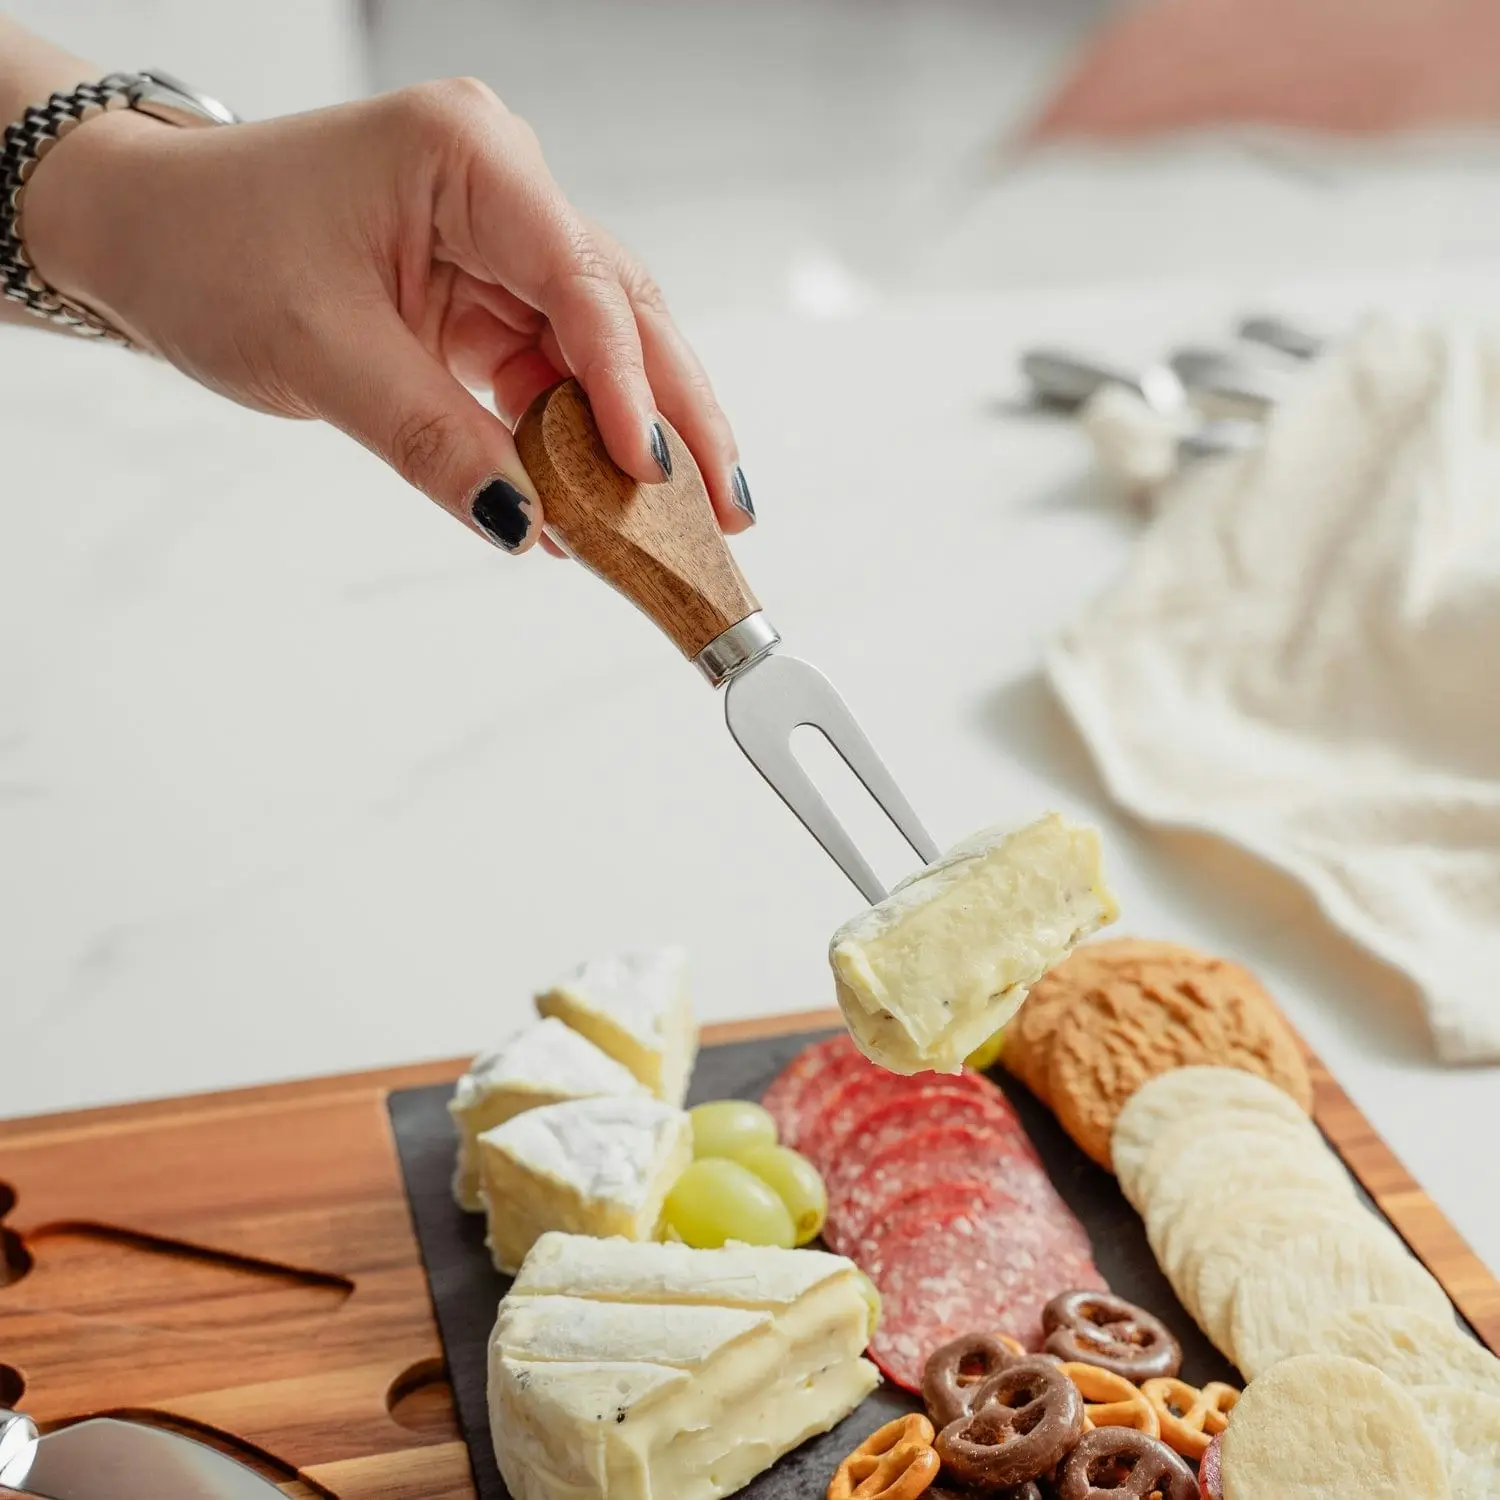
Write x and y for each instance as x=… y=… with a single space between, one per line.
x=248 y=1267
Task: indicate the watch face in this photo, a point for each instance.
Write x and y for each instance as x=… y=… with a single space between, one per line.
x=171 y=99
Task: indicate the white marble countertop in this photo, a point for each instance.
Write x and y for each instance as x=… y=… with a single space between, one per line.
x=296 y=776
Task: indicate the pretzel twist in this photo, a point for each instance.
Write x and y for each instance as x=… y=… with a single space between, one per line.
x=1190 y=1419
x=896 y=1462
x=1109 y=1400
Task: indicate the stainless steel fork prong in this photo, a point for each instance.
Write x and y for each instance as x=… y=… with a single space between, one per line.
x=763 y=705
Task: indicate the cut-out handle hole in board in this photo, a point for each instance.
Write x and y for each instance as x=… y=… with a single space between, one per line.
x=421 y=1400
x=100 y=1271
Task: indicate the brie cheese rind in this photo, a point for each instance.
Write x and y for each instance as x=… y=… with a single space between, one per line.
x=946 y=959
x=622 y=1371
x=636 y=1008
x=599 y=1166
x=544 y=1064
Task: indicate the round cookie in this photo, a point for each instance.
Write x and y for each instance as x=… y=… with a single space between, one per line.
x=1197 y=1092
x=1282 y=1298
x=1031 y=1029
x=1319 y=1426
x=1155 y=1017
x=1029 y=1033
x=1412 y=1347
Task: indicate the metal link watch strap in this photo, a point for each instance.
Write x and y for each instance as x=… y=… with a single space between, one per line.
x=26 y=143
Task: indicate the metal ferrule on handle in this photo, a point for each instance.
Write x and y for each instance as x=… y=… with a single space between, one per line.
x=738 y=647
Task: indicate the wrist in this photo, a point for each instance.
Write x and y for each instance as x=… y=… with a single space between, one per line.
x=77 y=204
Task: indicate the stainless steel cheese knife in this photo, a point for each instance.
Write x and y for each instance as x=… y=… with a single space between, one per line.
x=660 y=546
x=104 y=1458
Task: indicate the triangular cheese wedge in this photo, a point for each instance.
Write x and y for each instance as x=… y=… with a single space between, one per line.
x=635 y=1007
x=600 y=1166
x=543 y=1064
x=617 y=1271
x=623 y=1371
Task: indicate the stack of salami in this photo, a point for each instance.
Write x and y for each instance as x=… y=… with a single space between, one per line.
x=936 y=1192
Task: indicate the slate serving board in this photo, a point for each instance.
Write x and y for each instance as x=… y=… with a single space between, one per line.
x=466 y=1289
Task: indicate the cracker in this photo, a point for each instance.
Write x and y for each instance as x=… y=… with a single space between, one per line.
x=1029 y=1033
x=1465 y=1425
x=1224 y=1242
x=1156 y=1017
x=1279 y=1302
x=1238 y=1134
x=1192 y=1093
x=1319 y=1426
x=1210 y=1170
x=1412 y=1347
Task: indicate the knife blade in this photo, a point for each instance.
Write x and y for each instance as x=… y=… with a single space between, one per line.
x=104 y=1458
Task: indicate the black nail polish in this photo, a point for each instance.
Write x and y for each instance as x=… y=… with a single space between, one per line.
x=739 y=492
x=503 y=513
x=659 y=450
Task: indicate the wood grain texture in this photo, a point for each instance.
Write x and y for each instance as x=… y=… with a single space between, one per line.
x=242 y=1267
x=658 y=544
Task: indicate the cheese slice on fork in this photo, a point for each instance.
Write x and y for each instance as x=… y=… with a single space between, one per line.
x=947 y=958
x=635 y=1007
x=544 y=1064
x=623 y=1371
x=600 y=1166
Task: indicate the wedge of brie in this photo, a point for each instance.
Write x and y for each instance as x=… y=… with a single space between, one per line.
x=623 y=1371
x=590 y=1166
x=947 y=958
x=544 y=1064
x=635 y=1007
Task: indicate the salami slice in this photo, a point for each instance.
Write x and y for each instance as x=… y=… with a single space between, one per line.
x=857 y=1097
x=933 y=1204
x=798 y=1091
x=904 y=1115
x=961 y=1151
x=984 y=1270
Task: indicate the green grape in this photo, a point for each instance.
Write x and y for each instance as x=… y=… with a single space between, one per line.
x=716 y=1200
x=987 y=1054
x=871 y=1296
x=796 y=1182
x=729 y=1127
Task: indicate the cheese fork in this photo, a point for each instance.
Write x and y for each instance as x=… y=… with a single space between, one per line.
x=660 y=545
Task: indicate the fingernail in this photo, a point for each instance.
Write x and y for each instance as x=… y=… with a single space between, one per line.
x=659 y=450
x=739 y=492
x=503 y=513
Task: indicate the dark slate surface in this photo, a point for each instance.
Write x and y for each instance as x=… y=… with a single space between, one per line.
x=466 y=1288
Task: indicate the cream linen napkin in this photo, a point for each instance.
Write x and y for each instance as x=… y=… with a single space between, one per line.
x=1304 y=657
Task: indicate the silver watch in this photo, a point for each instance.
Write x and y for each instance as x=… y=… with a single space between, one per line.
x=37 y=132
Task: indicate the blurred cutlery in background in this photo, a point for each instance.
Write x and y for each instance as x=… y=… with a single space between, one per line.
x=1066 y=381
x=1228 y=383
x=1286 y=338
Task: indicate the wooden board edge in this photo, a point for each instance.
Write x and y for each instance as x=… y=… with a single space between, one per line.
x=333 y=1085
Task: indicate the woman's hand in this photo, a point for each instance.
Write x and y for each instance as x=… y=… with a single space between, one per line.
x=364 y=264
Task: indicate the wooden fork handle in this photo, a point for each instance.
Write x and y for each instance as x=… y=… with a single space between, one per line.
x=658 y=544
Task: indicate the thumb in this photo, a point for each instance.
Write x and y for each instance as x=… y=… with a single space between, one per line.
x=386 y=391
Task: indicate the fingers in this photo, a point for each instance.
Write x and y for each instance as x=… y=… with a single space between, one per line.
x=382 y=387
x=683 y=392
x=500 y=215
x=527 y=237
x=519 y=379
x=686 y=399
